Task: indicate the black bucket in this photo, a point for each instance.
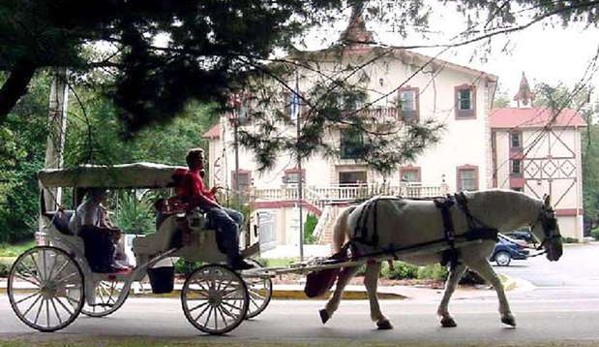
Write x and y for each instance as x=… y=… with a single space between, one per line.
x=162 y=279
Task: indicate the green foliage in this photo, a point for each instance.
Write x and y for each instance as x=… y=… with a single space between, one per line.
x=183 y=267
x=8 y=250
x=569 y=240
x=135 y=215
x=4 y=270
x=595 y=233
x=400 y=271
x=309 y=226
x=436 y=272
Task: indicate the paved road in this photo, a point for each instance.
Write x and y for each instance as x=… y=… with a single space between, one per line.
x=564 y=307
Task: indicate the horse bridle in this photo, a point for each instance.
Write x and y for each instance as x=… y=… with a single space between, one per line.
x=548 y=223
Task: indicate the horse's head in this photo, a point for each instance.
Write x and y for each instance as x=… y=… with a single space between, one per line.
x=545 y=228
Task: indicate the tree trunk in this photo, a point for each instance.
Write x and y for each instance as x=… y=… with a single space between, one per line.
x=15 y=87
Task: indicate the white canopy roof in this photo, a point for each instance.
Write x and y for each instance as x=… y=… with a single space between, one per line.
x=137 y=175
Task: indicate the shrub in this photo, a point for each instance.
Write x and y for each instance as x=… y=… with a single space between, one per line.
x=4 y=270
x=569 y=240
x=183 y=267
x=595 y=233
x=471 y=277
x=309 y=227
x=400 y=271
x=435 y=272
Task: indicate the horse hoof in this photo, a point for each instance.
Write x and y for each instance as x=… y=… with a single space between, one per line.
x=384 y=325
x=448 y=322
x=324 y=316
x=509 y=320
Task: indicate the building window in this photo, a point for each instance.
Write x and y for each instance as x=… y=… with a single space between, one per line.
x=409 y=103
x=516 y=167
x=292 y=176
x=293 y=104
x=465 y=101
x=467 y=178
x=351 y=143
x=409 y=174
x=516 y=140
x=352 y=177
x=245 y=180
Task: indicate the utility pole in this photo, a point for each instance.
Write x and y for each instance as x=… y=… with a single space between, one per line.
x=57 y=126
x=300 y=186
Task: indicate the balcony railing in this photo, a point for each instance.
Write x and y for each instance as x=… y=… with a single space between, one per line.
x=320 y=196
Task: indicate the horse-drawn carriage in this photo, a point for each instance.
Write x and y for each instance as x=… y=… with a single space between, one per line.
x=462 y=230
x=50 y=285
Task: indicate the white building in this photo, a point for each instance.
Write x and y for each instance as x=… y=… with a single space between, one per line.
x=456 y=96
x=538 y=151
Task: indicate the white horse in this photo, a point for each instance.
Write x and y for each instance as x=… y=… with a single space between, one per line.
x=401 y=223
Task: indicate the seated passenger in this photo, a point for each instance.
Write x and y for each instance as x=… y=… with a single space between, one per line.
x=100 y=237
x=194 y=194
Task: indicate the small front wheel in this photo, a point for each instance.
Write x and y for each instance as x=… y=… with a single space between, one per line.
x=45 y=288
x=503 y=258
x=107 y=295
x=259 y=289
x=215 y=299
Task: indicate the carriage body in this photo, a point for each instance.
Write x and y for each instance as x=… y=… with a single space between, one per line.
x=63 y=283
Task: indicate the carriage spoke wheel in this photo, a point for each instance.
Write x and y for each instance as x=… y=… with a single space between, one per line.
x=45 y=288
x=107 y=295
x=259 y=290
x=215 y=299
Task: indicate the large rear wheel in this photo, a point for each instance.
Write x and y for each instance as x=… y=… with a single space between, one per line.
x=45 y=288
x=215 y=299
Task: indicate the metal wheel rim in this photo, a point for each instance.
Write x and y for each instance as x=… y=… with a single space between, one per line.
x=55 y=294
x=107 y=295
x=215 y=299
x=259 y=291
x=502 y=259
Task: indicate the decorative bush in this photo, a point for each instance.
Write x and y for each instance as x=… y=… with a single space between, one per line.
x=4 y=270
x=435 y=272
x=595 y=233
x=400 y=271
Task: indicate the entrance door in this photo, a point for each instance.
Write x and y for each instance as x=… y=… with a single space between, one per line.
x=266 y=227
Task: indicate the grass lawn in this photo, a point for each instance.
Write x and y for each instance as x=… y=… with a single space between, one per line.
x=7 y=250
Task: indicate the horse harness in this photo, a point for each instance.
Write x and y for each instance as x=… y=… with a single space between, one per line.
x=476 y=228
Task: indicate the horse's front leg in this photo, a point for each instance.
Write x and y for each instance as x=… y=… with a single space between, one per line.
x=331 y=306
x=485 y=270
x=371 y=278
x=453 y=279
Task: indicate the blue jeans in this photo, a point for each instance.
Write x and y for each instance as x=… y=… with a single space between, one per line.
x=228 y=222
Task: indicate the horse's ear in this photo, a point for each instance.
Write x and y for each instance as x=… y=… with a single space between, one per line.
x=547 y=199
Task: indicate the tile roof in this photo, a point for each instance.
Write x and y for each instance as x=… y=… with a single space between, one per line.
x=535 y=117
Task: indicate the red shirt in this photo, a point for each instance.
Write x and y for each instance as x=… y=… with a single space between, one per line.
x=193 y=186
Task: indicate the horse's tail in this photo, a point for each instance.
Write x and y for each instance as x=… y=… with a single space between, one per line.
x=340 y=231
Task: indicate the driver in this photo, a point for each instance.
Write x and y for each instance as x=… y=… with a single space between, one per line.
x=195 y=194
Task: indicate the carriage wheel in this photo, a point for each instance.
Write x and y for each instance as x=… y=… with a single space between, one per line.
x=107 y=294
x=259 y=290
x=215 y=299
x=45 y=288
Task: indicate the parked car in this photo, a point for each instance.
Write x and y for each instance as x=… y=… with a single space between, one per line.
x=524 y=235
x=507 y=249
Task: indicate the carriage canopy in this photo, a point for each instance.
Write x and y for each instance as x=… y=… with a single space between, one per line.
x=136 y=175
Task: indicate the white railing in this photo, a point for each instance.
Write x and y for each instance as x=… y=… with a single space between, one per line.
x=319 y=196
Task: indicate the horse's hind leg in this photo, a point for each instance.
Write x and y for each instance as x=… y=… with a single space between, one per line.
x=485 y=270
x=453 y=279
x=331 y=306
x=371 y=282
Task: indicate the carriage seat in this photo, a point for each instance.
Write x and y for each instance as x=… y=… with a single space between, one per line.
x=61 y=219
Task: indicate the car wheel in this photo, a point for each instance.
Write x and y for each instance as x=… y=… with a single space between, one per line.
x=503 y=258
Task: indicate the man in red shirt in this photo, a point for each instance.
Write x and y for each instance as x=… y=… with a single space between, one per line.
x=227 y=220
